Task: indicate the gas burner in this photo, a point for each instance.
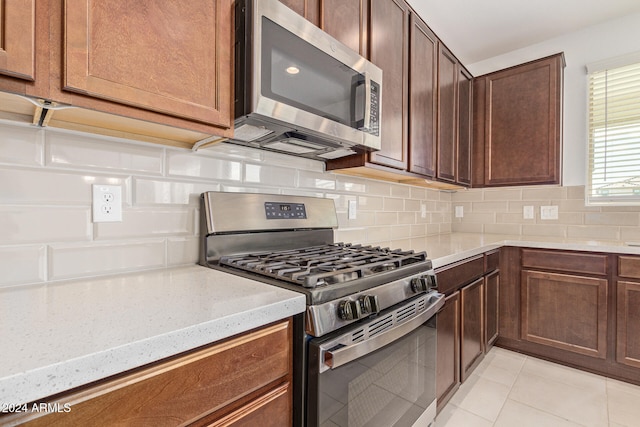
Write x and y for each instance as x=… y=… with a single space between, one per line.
x=324 y=265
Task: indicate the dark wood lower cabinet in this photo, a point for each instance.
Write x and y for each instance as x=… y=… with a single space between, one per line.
x=241 y=381
x=448 y=344
x=472 y=331
x=628 y=324
x=565 y=311
x=491 y=315
x=580 y=309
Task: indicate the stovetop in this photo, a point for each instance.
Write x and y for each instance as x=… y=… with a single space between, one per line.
x=325 y=265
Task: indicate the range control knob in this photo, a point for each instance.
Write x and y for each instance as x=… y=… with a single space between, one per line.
x=423 y=283
x=349 y=310
x=369 y=304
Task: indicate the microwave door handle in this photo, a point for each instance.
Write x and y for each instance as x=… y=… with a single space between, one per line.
x=366 y=125
x=362 y=122
x=336 y=358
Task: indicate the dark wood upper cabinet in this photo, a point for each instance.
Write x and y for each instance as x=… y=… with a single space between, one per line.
x=389 y=33
x=346 y=21
x=423 y=106
x=464 y=137
x=447 y=114
x=167 y=59
x=17 y=39
x=309 y=9
x=518 y=124
x=159 y=73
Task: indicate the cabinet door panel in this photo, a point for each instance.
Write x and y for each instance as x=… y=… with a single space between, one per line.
x=17 y=38
x=167 y=57
x=566 y=312
x=492 y=297
x=422 y=98
x=628 y=321
x=309 y=9
x=346 y=20
x=389 y=51
x=448 y=348
x=465 y=101
x=472 y=331
x=447 y=115
x=523 y=114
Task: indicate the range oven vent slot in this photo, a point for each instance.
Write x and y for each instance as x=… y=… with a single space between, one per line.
x=357 y=335
x=381 y=325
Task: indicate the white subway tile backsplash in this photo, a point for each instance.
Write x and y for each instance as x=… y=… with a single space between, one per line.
x=21 y=145
x=269 y=175
x=22 y=264
x=316 y=180
x=386 y=218
x=197 y=165
x=71 y=261
x=182 y=250
x=26 y=186
x=393 y=204
x=35 y=224
x=400 y=191
x=71 y=150
x=593 y=232
x=162 y=192
x=148 y=223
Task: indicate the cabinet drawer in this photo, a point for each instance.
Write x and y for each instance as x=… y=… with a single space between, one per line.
x=491 y=261
x=454 y=276
x=565 y=261
x=183 y=389
x=629 y=266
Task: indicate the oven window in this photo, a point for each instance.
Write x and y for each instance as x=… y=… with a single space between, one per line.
x=298 y=74
x=392 y=386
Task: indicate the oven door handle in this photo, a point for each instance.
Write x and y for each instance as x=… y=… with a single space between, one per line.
x=336 y=358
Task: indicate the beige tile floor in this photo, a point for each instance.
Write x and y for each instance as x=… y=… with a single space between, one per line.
x=512 y=390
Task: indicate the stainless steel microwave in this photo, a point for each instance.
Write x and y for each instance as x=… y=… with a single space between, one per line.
x=299 y=90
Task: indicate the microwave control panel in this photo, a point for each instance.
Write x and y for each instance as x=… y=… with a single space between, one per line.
x=276 y=210
x=374 y=127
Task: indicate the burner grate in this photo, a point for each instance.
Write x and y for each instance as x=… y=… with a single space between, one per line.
x=324 y=265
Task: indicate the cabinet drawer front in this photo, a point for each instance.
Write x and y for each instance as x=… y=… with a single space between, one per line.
x=566 y=312
x=491 y=261
x=565 y=261
x=629 y=266
x=183 y=389
x=454 y=276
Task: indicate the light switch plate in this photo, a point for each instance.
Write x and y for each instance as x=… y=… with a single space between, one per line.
x=527 y=212
x=459 y=211
x=353 y=207
x=107 y=203
x=548 y=212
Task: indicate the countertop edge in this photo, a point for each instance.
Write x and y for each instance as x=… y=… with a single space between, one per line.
x=39 y=383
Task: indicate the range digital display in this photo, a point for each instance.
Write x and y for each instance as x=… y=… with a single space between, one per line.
x=276 y=210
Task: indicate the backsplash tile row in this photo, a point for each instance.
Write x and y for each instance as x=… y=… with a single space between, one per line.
x=501 y=210
x=46 y=230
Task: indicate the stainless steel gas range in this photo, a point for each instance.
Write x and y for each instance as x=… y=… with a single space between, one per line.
x=364 y=351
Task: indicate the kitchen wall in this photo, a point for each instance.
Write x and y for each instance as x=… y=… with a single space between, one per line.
x=610 y=39
x=46 y=231
x=500 y=210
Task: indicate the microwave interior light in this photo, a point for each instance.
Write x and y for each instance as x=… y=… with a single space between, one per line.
x=293 y=70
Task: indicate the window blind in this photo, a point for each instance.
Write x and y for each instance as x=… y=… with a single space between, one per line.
x=614 y=135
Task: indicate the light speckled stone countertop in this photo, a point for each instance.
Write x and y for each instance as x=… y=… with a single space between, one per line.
x=448 y=248
x=57 y=336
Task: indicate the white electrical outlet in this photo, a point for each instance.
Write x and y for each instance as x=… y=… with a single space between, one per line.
x=527 y=212
x=423 y=210
x=353 y=206
x=459 y=211
x=548 y=212
x=107 y=203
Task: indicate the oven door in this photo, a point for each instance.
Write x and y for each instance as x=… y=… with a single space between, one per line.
x=380 y=372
